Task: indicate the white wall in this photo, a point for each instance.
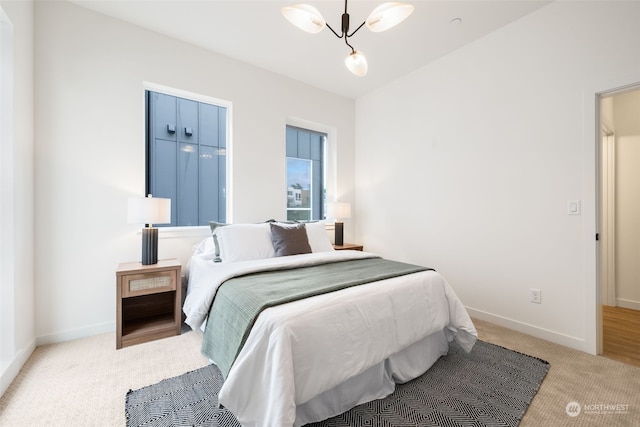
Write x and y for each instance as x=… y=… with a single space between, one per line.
x=626 y=117
x=17 y=240
x=89 y=155
x=479 y=153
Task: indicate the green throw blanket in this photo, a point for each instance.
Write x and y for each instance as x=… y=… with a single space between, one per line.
x=240 y=300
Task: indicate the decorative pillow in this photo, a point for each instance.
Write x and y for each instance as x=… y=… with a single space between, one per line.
x=318 y=237
x=289 y=240
x=214 y=225
x=244 y=242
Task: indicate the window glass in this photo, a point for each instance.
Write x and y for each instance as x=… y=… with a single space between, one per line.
x=305 y=174
x=186 y=157
x=299 y=190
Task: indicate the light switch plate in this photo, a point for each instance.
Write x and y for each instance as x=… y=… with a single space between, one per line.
x=573 y=207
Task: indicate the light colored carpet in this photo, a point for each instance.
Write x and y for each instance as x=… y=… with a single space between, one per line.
x=574 y=376
x=84 y=382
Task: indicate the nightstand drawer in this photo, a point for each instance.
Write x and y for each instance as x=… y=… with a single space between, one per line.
x=148 y=283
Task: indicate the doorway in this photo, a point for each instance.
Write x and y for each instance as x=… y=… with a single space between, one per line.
x=619 y=231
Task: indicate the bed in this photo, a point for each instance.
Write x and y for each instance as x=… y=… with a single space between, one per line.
x=309 y=359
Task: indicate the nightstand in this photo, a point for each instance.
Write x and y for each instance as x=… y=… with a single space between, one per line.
x=348 y=246
x=148 y=300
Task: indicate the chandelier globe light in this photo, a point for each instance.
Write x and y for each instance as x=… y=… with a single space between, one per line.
x=305 y=17
x=388 y=15
x=357 y=63
x=382 y=18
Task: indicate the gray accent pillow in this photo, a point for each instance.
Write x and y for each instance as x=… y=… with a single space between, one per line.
x=290 y=240
x=213 y=225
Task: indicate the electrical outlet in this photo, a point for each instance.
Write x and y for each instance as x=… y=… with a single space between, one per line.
x=535 y=295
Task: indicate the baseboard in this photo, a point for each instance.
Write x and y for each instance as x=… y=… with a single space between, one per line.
x=74 y=334
x=526 y=328
x=627 y=303
x=14 y=367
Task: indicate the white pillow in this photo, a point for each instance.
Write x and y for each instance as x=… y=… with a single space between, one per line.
x=318 y=237
x=244 y=242
x=206 y=247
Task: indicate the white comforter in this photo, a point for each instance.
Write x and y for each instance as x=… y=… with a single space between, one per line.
x=299 y=350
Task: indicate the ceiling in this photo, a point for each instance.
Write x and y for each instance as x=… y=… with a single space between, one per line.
x=255 y=32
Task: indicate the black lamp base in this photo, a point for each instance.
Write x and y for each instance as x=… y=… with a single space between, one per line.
x=149 y=245
x=339 y=229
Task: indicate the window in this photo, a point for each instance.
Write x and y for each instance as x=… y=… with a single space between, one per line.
x=186 y=157
x=305 y=174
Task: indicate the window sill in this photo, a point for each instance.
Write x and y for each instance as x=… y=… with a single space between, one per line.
x=181 y=232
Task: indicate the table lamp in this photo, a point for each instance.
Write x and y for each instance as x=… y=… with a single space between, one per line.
x=149 y=210
x=338 y=211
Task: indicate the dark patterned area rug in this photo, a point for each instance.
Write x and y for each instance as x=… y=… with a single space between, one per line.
x=491 y=386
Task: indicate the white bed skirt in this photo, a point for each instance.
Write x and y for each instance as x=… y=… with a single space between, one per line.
x=376 y=382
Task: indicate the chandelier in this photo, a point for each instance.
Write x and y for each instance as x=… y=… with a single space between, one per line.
x=383 y=17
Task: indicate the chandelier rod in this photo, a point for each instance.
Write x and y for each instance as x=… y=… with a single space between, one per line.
x=364 y=22
x=352 y=49
x=345 y=26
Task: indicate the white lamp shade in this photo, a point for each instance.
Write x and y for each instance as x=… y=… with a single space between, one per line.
x=388 y=15
x=357 y=63
x=338 y=210
x=305 y=17
x=149 y=210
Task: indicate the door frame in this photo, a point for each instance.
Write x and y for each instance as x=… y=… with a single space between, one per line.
x=607 y=188
x=593 y=222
